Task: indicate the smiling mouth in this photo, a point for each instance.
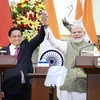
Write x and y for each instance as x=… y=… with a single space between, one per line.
x=77 y=37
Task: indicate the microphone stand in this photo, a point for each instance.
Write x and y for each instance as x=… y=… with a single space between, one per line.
x=85 y=47
x=51 y=94
x=98 y=41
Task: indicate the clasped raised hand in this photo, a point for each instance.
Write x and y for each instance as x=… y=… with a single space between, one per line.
x=44 y=17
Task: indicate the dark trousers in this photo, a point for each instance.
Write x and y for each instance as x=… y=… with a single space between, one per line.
x=23 y=95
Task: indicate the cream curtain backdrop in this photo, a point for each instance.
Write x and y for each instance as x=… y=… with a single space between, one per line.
x=65 y=5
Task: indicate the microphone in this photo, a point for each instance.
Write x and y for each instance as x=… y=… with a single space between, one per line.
x=86 y=47
x=98 y=40
x=3 y=52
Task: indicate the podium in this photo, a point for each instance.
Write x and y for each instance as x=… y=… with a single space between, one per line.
x=6 y=61
x=38 y=90
x=91 y=66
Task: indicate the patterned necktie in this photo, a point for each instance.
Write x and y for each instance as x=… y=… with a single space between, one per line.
x=16 y=53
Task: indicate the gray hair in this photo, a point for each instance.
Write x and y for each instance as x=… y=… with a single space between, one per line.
x=78 y=24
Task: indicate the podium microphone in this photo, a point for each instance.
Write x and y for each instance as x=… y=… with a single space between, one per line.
x=99 y=41
x=3 y=52
x=85 y=47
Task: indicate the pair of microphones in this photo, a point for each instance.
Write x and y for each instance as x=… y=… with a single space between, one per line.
x=90 y=44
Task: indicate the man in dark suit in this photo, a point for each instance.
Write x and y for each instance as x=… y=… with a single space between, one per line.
x=16 y=84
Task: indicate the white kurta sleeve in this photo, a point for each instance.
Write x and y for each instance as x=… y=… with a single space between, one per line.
x=56 y=43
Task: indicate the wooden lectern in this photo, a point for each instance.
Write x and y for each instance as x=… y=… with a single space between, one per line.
x=91 y=65
x=6 y=61
x=38 y=90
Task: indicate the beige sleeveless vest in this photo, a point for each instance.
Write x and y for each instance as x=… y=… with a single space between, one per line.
x=76 y=78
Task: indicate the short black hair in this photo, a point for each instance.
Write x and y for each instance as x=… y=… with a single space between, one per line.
x=12 y=29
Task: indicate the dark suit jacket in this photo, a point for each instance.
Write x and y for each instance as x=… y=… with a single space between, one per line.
x=12 y=76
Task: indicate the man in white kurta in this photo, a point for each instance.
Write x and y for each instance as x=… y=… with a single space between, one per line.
x=74 y=87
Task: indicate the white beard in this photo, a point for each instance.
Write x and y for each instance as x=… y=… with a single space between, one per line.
x=78 y=39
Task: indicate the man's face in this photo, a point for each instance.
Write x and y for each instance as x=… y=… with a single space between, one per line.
x=15 y=38
x=78 y=33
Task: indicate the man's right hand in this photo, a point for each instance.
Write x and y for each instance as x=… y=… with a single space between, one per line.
x=44 y=17
x=2 y=94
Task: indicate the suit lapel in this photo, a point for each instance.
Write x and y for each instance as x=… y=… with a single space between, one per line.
x=21 y=51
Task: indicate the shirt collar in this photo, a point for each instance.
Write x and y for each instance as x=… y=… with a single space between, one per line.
x=13 y=47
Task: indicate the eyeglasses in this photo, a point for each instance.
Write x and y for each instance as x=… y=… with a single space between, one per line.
x=16 y=36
